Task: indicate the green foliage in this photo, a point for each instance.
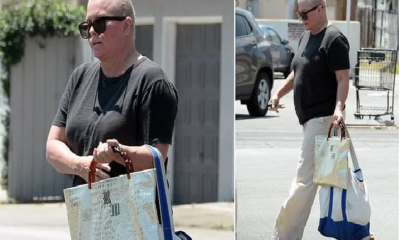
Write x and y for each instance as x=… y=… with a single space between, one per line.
x=28 y=19
x=46 y=18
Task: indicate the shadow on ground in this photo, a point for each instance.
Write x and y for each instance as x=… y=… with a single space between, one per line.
x=248 y=117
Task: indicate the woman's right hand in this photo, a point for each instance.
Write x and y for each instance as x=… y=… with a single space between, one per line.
x=84 y=168
x=274 y=102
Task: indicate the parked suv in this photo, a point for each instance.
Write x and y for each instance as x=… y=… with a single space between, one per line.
x=282 y=53
x=254 y=68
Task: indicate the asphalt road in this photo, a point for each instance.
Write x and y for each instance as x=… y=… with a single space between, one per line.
x=267 y=151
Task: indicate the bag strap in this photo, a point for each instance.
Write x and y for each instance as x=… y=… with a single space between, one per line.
x=342 y=130
x=356 y=165
x=164 y=202
x=353 y=155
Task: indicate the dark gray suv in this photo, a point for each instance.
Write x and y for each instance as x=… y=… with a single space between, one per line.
x=282 y=53
x=254 y=68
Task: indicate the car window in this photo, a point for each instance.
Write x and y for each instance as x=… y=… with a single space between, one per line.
x=274 y=36
x=243 y=27
x=249 y=30
x=240 y=27
x=266 y=34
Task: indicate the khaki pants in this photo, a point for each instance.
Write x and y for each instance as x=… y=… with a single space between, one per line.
x=296 y=209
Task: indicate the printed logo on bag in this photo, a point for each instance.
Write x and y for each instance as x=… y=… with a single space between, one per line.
x=115 y=210
x=106 y=197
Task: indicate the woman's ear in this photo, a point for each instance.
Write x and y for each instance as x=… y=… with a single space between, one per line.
x=128 y=23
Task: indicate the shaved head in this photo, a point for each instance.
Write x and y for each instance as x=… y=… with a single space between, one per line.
x=316 y=17
x=122 y=8
x=118 y=7
x=315 y=2
x=118 y=35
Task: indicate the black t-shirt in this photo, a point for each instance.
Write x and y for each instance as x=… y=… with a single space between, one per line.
x=314 y=65
x=139 y=107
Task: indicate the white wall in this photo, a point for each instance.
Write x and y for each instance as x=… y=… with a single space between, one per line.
x=282 y=27
x=272 y=9
x=37 y=83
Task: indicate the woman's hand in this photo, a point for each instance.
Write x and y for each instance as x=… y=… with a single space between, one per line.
x=337 y=118
x=84 y=168
x=274 y=102
x=104 y=153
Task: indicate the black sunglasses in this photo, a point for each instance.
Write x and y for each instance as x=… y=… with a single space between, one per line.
x=99 y=25
x=303 y=15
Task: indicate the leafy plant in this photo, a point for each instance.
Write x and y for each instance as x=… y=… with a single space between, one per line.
x=18 y=21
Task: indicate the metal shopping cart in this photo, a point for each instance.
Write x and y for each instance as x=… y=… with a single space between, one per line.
x=375 y=71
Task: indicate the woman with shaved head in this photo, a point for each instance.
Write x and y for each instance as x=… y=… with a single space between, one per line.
x=320 y=80
x=124 y=100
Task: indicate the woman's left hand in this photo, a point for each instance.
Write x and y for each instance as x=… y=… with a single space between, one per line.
x=104 y=153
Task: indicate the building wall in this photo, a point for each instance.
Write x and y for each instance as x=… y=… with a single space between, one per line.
x=272 y=9
x=36 y=85
x=385 y=35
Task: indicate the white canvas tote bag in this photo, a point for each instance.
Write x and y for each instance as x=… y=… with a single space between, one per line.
x=123 y=207
x=330 y=159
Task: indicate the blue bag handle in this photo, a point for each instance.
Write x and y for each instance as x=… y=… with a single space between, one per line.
x=164 y=203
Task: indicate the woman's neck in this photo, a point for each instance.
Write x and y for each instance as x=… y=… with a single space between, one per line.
x=117 y=66
x=323 y=24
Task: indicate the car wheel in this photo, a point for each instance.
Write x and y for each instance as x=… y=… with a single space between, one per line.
x=289 y=68
x=258 y=103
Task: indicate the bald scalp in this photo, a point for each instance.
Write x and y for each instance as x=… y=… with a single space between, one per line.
x=118 y=7
x=315 y=2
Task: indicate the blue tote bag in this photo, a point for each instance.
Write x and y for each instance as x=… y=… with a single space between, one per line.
x=346 y=213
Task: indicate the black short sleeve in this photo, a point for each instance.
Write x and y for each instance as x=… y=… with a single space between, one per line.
x=338 y=54
x=159 y=109
x=61 y=116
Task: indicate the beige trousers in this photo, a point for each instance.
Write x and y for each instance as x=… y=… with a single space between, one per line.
x=296 y=209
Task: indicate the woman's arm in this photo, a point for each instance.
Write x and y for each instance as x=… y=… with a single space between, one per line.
x=65 y=161
x=285 y=89
x=141 y=156
x=342 y=78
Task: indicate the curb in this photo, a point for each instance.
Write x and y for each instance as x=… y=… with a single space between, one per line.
x=371 y=126
x=215 y=216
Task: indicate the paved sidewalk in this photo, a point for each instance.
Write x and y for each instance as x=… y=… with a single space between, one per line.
x=49 y=221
